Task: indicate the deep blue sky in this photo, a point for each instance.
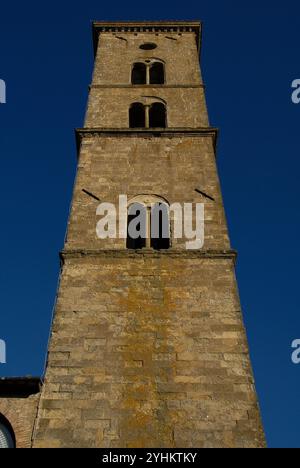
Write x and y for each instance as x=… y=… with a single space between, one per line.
x=250 y=56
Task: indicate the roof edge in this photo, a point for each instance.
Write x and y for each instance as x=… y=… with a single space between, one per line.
x=146 y=26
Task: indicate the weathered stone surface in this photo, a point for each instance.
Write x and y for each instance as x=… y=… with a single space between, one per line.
x=21 y=414
x=158 y=353
x=148 y=349
x=172 y=167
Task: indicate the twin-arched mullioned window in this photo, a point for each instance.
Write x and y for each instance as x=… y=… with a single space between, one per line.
x=148 y=72
x=153 y=115
x=149 y=112
x=148 y=223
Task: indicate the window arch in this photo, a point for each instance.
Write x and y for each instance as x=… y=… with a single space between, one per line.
x=148 y=223
x=7 y=436
x=148 y=71
x=149 y=114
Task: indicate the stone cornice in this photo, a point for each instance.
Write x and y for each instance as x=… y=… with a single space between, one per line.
x=131 y=86
x=89 y=132
x=148 y=253
x=147 y=26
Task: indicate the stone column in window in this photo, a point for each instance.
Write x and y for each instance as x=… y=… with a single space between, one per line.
x=147 y=108
x=147 y=74
x=148 y=227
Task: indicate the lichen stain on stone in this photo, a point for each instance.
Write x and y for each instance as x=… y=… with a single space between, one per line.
x=144 y=412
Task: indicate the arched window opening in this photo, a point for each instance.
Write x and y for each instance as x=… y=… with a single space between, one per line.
x=138 y=74
x=157 y=75
x=148 y=225
x=137 y=115
x=157 y=115
x=136 y=226
x=147 y=72
x=160 y=227
x=7 y=437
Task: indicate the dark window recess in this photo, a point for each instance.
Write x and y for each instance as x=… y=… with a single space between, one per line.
x=137 y=115
x=138 y=74
x=139 y=242
x=157 y=115
x=160 y=235
x=157 y=73
x=148 y=46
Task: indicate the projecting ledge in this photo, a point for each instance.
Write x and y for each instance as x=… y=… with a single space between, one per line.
x=169 y=132
x=149 y=253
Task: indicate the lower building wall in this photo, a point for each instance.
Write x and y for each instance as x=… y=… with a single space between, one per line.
x=148 y=352
x=21 y=414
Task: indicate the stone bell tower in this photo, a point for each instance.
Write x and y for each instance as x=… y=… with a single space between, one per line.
x=148 y=347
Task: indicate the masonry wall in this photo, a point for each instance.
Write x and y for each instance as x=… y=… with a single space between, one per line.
x=115 y=56
x=112 y=93
x=109 y=108
x=21 y=414
x=148 y=351
x=169 y=166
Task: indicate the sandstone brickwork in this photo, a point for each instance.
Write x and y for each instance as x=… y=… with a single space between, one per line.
x=148 y=348
x=18 y=407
